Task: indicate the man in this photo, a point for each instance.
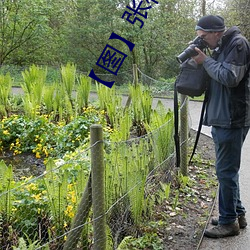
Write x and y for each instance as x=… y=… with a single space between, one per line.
x=228 y=112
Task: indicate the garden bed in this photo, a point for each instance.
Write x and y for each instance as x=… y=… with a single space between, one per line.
x=179 y=221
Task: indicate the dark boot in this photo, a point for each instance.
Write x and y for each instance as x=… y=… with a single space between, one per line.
x=241 y=219
x=221 y=231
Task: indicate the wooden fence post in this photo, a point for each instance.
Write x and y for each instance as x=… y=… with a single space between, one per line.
x=80 y=218
x=98 y=195
x=135 y=74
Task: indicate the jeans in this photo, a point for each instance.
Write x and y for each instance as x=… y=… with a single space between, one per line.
x=228 y=145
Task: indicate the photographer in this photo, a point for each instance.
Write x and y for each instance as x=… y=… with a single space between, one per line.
x=228 y=112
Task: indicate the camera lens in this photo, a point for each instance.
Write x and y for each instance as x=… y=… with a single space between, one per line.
x=187 y=53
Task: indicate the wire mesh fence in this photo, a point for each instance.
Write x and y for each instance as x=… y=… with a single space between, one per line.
x=56 y=209
x=42 y=210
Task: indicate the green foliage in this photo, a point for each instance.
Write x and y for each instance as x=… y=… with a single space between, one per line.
x=63 y=103
x=147 y=241
x=184 y=181
x=6 y=184
x=122 y=127
x=30 y=206
x=33 y=85
x=5 y=90
x=68 y=74
x=83 y=91
x=56 y=183
x=45 y=32
x=141 y=103
x=23 y=25
x=43 y=137
x=128 y=161
x=110 y=102
x=161 y=126
x=126 y=172
x=164 y=191
x=29 y=245
x=48 y=98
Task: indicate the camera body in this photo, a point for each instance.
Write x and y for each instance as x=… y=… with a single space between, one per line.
x=190 y=51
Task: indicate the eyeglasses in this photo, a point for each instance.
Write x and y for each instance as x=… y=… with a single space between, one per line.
x=203 y=36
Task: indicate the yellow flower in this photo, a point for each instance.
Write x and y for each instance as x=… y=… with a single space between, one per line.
x=73 y=199
x=103 y=112
x=6 y=132
x=38 y=156
x=14 y=209
x=69 y=211
x=37 y=196
x=31 y=187
x=16 y=152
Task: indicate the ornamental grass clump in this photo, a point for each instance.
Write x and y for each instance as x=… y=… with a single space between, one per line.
x=34 y=80
x=83 y=92
x=5 y=91
x=141 y=106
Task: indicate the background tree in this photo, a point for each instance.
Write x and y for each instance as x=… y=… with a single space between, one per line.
x=54 y=32
x=237 y=13
x=21 y=26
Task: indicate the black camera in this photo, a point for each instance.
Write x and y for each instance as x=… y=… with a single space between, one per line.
x=190 y=51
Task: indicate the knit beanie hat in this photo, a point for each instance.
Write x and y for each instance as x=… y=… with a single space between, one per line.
x=210 y=23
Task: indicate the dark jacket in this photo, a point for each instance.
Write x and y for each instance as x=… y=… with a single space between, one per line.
x=228 y=103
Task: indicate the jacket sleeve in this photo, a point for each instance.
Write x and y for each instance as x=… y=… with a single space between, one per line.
x=234 y=66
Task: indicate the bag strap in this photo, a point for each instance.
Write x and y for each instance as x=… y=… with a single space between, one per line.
x=176 y=126
x=199 y=127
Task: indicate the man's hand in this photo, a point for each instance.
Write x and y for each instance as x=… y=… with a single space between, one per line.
x=200 y=58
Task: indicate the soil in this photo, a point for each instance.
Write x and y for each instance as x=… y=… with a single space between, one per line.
x=25 y=164
x=186 y=223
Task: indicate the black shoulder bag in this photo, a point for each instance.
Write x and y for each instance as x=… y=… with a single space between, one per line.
x=191 y=81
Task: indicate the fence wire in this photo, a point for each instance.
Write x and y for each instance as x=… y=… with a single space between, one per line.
x=47 y=204
x=45 y=209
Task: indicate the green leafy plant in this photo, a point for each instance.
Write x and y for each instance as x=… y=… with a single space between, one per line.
x=5 y=90
x=43 y=137
x=141 y=104
x=30 y=208
x=110 y=102
x=48 y=98
x=68 y=74
x=83 y=91
x=23 y=245
x=164 y=191
x=147 y=241
x=6 y=184
x=176 y=199
x=33 y=85
x=161 y=126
